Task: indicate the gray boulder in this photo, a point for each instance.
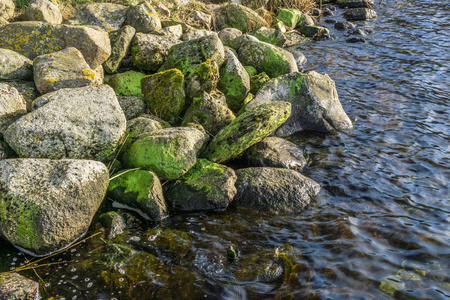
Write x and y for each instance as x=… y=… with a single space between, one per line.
x=226 y=35
x=12 y=106
x=275 y=152
x=360 y=14
x=7 y=8
x=238 y=16
x=14 y=66
x=108 y=16
x=46 y=205
x=195 y=34
x=132 y=106
x=355 y=3
x=274 y=190
x=28 y=91
x=314 y=99
x=15 y=286
x=62 y=69
x=139 y=127
x=43 y=10
x=175 y=31
x=143 y=17
x=120 y=45
x=237 y=42
x=82 y=123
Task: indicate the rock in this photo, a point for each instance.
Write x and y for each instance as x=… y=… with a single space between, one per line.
x=314 y=31
x=12 y=106
x=275 y=152
x=7 y=8
x=274 y=190
x=150 y=51
x=28 y=91
x=240 y=17
x=3 y=21
x=108 y=16
x=114 y=224
x=127 y=83
x=15 y=286
x=360 y=14
x=196 y=33
x=272 y=60
x=210 y=111
x=228 y=34
x=46 y=205
x=14 y=66
x=356 y=40
x=299 y=57
x=169 y=152
x=3 y=154
x=355 y=3
x=314 y=99
x=258 y=81
x=175 y=31
x=132 y=106
x=62 y=69
x=164 y=94
x=43 y=10
x=99 y=78
x=163 y=10
x=139 y=127
x=330 y=21
x=206 y=187
x=237 y=42
x=344 y=25
x=279 y=26
x=289 y=16
x=202 y=17
x=234 y=81
x=27 y=38
x=392 y=284
x=173 y=22
x=327 y=12
x=120 y=45
x=251 y=70
x=139 y=190
x=81 y=123
x=246 y=130
x=295 y=38
x=271 y=36
x=203 y=79
x=315 y=12
x=187 y=55
x=143 y=18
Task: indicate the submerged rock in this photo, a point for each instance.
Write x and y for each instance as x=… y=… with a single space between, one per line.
x=274 y=190
x=206 y=187
x=14 y=66
x=46 y=205
x=360 y=14
x=114 y=224
x=355 y=3
x=12 y=106
x=15 y=286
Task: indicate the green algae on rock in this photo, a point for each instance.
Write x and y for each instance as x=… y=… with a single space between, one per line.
x=289 y=16
x=206 y=187
x=127 y=83
x=311 y=31
x=203 y=79
x=141 y=190
x=269 y=35
x=239 y=17
x=258 y=81
x=246 y=130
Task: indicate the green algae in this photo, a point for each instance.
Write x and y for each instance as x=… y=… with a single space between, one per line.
x=251 y=70
x=127 y=83
x=290 y=17
x=258 y=81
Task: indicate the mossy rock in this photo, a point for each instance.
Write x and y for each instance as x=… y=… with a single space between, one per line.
x=246 y=130
x=289 y=16
x=241 y=17
x=206 y=187
x=127 y=83
x=141 y=190
x=164 y=94
x=258 y=81
x=138 y=127
x=311 y=31
x=114 y=224
x=204 y=79
x=251 y=70
x=120 y=45
x=270 y=35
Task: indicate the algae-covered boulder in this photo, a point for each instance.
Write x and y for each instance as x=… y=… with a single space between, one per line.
x=311 y=31
x=237 y=42
x=127 y=83
x=275 y=190
x=132 y=106
x=187 y=55
x=289 y=16
x=143 y=17
x=141 y=190
x=272 y=60
x=169 y=152
x=164 y=94
x=120 y=44
x=203 y=79
x=12 y=106
x=258 y=81
x=45 y=205
x=246 y=130
x=150 y=51
x=83 y=123
x=62 y=69
x=314 y=99
x=207 y=186
x=140 y=126
x=269 y=35
x=209 y=110
x=27 y=39
x=14 y=66
x=7 y=8
x=275 y=152
x=234 y=81
x=15 y=286
x=360 y=14
x=238 y=16
x=113 y=223
x=108 y=16
x=43 y=10
x=355 y=3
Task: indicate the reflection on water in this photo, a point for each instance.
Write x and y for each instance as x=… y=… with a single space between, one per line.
x=381 y=225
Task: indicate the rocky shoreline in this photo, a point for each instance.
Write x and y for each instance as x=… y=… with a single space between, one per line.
x=163 y=130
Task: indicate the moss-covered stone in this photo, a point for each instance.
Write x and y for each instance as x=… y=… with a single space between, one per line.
x=270 y=35
x=251 y=70
x=141 y=190
x=246 y=130
x=240 y=17
x=289 y=16
x=164 y=94
x=113 y=223
x=120 y=45
x=127 y=83
x=203 y=79
x=138 y=127
x=258 y=81
x=207 y=186
x=311 y=31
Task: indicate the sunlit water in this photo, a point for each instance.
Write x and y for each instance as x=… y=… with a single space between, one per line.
x=383 y=214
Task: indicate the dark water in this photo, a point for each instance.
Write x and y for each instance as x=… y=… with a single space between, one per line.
x=382 y=219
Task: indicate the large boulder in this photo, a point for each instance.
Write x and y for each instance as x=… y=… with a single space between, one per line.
x=132 y=106
x=15 y=286
x=127 y=83
x=14 y=66
x=246 y=130
x=139 y=127
x=43 y=10
x=27 y=39
x=269 y=35
x=150 y=51
x=207 y=186
x=7 y=8
x=12 y=106
x=108 y=16
x=141 y=190
x=360 y=14
x=293 y=18
x=314 y=99
x=240 y=17
x=143 y=17
x=83 y=123
x=203 y=79
x=275 y=190
x=169 y=152
x=272 y=60
x=355 y=3
x=62 y=69
x=46 y=205
x=120 y=45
